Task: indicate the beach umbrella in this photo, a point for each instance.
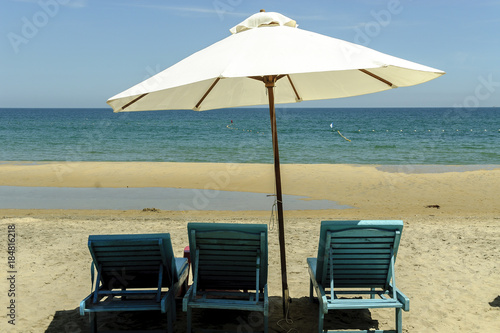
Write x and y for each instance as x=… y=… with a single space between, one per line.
x=268 y=60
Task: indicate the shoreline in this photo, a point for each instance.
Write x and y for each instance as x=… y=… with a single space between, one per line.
x=369 y=189
x=418 y=168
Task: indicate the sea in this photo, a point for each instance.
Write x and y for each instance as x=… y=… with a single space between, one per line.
x=379 y=136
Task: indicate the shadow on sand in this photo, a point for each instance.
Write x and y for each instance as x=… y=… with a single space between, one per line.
x=303 y=315
x=496 y=302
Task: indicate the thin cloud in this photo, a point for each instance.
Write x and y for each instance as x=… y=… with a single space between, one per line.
x=77 y=3
x=71 y=3
x=308 y=17
x=198 y=10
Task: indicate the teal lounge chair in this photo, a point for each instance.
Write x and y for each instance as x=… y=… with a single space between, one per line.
x=229 y=263
x=134 y=273
x=357 y=258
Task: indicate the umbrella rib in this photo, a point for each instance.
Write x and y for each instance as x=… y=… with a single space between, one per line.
x=297 y=97
x=197 y=106
x=390 y=84
x=133 y=101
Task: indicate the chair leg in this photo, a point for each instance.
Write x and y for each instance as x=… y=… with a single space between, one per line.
x=266 y=323
x=174 y=309
x=311 y=296
x=399 y=320
x=320 y=321
x=170 y=321
x=188 y=324
x=93 y=322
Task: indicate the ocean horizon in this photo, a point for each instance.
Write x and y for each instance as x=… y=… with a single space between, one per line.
x=382 y=136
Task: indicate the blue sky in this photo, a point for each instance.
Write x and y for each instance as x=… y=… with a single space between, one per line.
x=78 y=53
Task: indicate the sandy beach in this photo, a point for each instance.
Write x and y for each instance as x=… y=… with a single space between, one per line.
x=447 y=263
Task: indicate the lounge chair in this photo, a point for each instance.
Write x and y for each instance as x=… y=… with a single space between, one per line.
x=357 y=258
x=229 y=263
x=134 y=273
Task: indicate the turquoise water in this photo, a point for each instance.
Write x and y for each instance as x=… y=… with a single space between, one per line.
x=394 y=136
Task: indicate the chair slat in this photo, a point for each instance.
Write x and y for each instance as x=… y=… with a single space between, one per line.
x=131 y=252
x=364 y=240
x=367 y=250
x=114 y=242
x=367 y=256
x=233 y=253
x=226 y=268
x=223 y=235
x=361 y=246
x=137 y=258
x=224 y=259
x=229 y=247
x=227 y=274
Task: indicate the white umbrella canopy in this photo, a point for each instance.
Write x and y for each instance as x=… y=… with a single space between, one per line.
x=317 y=66
x=268 y=60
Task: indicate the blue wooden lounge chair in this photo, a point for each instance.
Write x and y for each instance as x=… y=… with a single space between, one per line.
x=357 y=258
x=134 y=273
x=229 y=263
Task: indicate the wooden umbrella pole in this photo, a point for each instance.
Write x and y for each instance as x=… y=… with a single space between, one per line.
x=270 y=83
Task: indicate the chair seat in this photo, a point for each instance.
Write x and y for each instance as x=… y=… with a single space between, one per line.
x=354 y=303
x=122 y=305
x=227 y=304
x=357 y=303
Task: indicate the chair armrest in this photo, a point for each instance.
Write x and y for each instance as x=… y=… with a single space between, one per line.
x=182 y=269
x=177 y=286
x=403 y=299
x=166 y=301
x=83 y=304
x=320 y=291
x=187 y=298
x=266 y=301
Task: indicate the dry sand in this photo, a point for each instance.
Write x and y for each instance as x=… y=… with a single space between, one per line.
x=448 y=262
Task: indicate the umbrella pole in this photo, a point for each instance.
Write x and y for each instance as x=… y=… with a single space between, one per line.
x=270 y=83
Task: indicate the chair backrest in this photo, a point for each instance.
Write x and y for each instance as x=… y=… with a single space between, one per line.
x=133 y=261
x=361 y=251
x=227 y=253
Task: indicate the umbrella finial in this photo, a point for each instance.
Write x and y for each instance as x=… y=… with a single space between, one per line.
x=263 y=19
